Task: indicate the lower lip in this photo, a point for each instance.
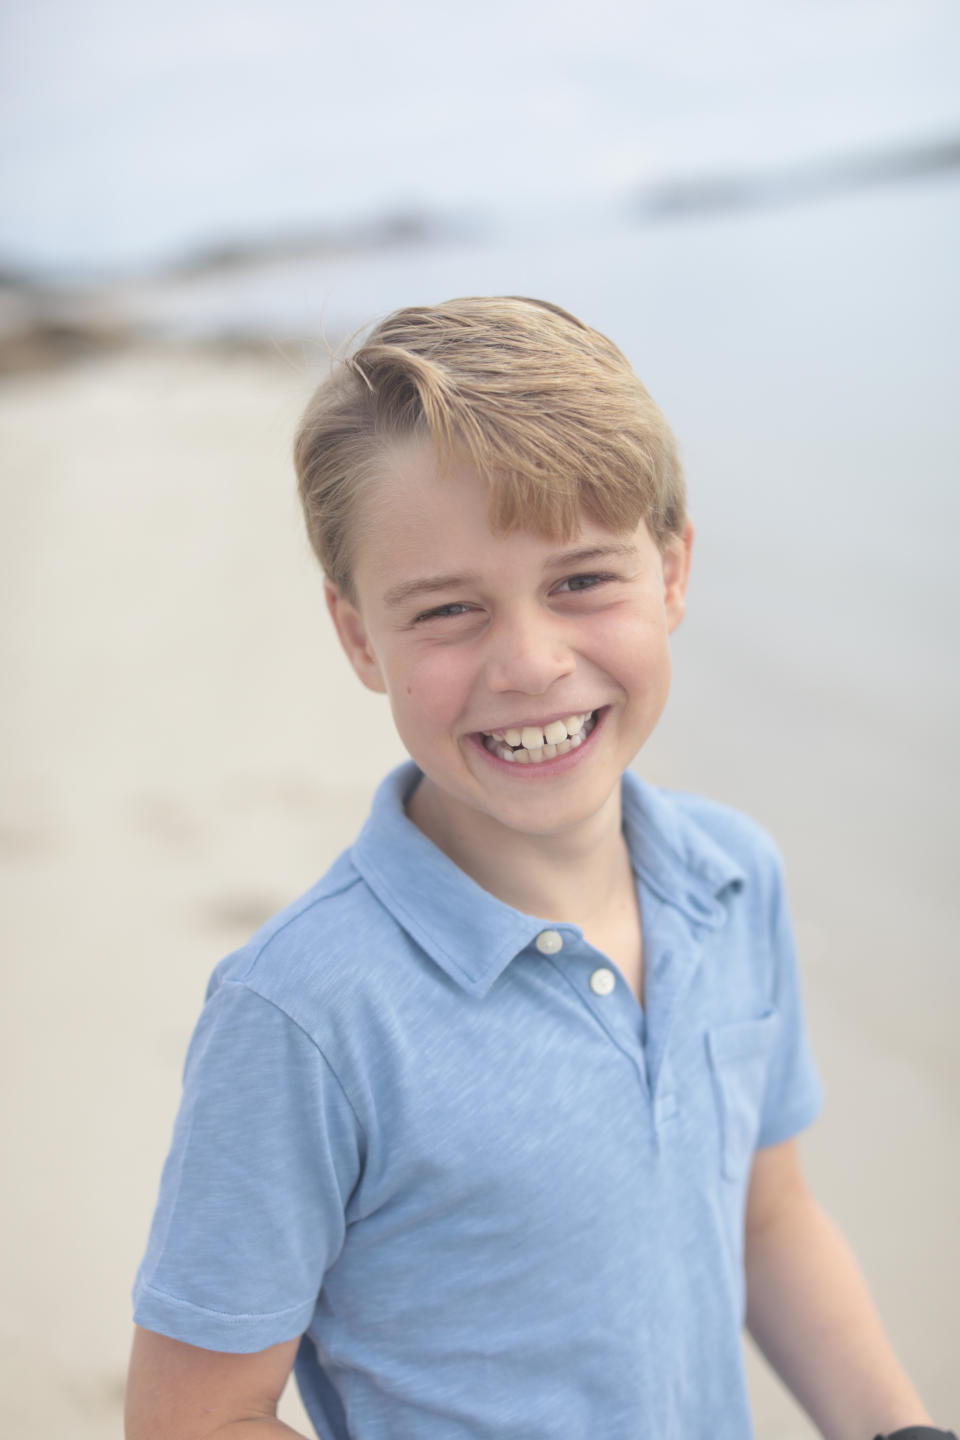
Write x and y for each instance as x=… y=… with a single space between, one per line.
x=556 y=766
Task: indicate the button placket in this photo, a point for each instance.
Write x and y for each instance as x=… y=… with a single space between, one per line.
x=598 y=989
x=614 y=1007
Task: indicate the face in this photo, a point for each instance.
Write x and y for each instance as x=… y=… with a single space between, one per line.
x=524 y=674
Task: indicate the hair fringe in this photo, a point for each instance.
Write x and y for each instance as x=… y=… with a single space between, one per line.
x=547 y=409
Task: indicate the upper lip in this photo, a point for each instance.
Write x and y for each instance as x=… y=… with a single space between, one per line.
x=540 y=721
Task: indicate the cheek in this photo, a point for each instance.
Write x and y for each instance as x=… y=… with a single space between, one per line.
x=632 y=642
x=428 y=692
x=636 y=653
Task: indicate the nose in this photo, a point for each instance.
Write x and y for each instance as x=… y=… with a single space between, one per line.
x=527 y=653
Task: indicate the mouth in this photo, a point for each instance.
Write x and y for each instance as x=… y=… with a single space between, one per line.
x=533 y=744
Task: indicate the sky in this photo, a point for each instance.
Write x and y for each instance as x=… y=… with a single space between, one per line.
x=132 y=132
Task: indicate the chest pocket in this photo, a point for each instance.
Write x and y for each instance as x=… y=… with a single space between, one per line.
x=739 y=1055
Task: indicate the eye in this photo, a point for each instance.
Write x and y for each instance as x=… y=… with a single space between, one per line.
x=573 y=583
x=443 y=612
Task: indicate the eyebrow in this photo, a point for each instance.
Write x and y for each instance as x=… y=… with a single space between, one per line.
x=432 y=584
x=428 y=586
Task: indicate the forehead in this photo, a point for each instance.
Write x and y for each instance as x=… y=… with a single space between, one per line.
x=422 y=519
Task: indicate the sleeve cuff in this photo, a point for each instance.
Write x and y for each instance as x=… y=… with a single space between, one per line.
x=217 y=1330
x=785 y=1127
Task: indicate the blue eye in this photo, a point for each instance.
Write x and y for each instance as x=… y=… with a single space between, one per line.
x=443 y=611
x=583 y=582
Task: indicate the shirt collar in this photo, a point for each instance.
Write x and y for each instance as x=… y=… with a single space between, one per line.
x=473 y=936
x=676 y=858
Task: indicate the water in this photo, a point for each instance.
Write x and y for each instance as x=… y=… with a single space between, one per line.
x=132 y=132
x=806 y=357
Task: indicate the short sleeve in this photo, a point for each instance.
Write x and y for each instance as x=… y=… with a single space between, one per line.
x=265 y=1155
x=793 y=1095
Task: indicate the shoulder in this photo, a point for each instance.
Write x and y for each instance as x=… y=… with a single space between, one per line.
x=332 y=961
x=754 y=898
x=708 y=859
x=744 y=839
x=690 y=834
x=314 y=938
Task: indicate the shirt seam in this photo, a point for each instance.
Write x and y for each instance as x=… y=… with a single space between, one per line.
x=246 y=985
x=238 y=1317
x=261 y=949
x=162 y=1245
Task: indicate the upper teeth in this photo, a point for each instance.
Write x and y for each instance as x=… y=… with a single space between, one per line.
x=533 y=737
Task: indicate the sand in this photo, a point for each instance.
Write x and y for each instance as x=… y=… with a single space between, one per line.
x=184 y=750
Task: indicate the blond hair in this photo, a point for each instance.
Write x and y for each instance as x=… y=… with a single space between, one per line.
x=547 y=409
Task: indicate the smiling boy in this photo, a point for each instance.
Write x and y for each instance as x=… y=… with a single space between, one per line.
x=491 y=1134
x=524 y=675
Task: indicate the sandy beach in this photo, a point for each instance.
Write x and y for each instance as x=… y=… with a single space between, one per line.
x=184 y=750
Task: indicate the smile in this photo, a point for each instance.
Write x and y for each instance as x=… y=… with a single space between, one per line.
x=533 y=744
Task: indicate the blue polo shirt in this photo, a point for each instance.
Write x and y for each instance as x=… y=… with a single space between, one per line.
x=440 y=1140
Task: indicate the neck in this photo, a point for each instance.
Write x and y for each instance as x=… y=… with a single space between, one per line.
x=563 y=877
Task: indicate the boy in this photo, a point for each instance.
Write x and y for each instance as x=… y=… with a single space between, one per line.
x=491 y=1133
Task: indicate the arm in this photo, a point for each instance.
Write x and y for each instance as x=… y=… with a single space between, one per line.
x=182 y=1392
x=250 y=1215
x=810 y=1312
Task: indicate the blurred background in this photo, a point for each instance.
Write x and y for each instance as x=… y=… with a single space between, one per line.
x=760 y=203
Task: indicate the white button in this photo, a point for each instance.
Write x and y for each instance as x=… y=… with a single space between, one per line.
x=548 y=942
x=602 y=981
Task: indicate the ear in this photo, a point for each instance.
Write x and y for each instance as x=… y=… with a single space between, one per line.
x=349 y=626
x=676 y=575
